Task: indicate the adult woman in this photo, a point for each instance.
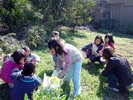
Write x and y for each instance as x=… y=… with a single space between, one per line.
x=71 y=57
x=117 y=70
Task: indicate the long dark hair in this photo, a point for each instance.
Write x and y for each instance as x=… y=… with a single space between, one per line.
x=99 y=37
x=17 y=55
x=107 y=53
x=57 y=44
x=110 y=36
x=28 y=69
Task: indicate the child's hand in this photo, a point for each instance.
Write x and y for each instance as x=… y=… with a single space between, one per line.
x=33 y=61
x=61 y=75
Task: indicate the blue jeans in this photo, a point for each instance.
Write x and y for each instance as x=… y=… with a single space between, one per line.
x=74 y=73
x=114 y=81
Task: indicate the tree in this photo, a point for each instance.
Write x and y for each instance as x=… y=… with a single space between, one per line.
x=79 y=12
x=16 y=14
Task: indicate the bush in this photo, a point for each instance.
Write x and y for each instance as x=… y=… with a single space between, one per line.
x=36 y=37
x=45 y=95
x=96 y=25
x=109 y=24
x=105 y=31
x=130 y=28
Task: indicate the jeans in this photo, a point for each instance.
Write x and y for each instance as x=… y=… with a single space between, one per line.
x=114 y=81
x=74 y=73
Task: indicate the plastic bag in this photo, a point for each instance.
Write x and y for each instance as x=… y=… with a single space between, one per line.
x=50 y=83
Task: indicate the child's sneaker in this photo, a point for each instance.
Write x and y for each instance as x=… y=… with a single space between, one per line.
x=114 y=89
x=129 y=87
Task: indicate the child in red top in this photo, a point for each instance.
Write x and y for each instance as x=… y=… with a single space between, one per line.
x=10 y=64
x=108 y=41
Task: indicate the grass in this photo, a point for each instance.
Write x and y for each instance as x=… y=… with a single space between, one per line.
x=92 y=82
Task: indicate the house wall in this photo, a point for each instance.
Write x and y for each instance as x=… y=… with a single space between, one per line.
x=121 y=10
x=115 y=1
x=128 y=3
x=127 y=15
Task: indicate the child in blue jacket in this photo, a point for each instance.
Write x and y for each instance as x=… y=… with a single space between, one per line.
x=25 y=82
x=91 y=50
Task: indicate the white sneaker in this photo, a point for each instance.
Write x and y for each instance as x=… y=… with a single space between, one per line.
x=129 y=87
x=114 y=89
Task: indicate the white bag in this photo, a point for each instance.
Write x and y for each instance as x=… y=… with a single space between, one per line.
x=50 y=83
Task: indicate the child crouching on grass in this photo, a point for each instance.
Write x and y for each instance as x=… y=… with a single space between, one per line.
x=11 y=63
x=117 y=70
x=25 y=82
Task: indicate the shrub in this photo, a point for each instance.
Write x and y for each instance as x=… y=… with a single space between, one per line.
x=36 y=37
x=130 y=28
x=46 y=95
x=96 y=25
x=105 y=31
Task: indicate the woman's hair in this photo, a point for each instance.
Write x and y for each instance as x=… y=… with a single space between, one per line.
x=110 y=36
x=99 y=37
x=57 y=45
x=107 y=53
x=17 y=55
x=28 y=69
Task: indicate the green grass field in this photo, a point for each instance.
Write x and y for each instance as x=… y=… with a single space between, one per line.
x=92 y=82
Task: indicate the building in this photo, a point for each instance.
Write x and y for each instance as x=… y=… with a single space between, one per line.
x=121 y=10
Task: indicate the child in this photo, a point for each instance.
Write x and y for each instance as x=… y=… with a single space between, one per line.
x=117 y=70
x=72 y=59
x=56 y=35
x=10 y=64
x=108 y=41
x=31 y=56
x=25 y=82
x=91 y=50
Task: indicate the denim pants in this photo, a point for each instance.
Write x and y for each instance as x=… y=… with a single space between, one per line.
x=113 y=80
x=74 y=73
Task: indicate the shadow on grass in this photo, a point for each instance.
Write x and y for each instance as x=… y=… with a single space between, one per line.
x=107 y=94
x=4 y=91
x=93 y=69
x=66 y=89
x=123 y=35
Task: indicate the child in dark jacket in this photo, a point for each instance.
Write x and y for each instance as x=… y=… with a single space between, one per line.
x=92 y=50
x=117 y=70
x=25 y=82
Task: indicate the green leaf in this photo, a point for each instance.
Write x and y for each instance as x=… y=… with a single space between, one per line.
x=25 y=96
